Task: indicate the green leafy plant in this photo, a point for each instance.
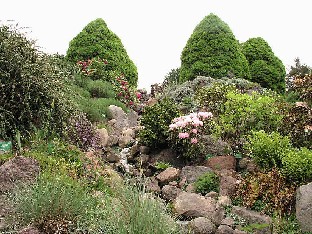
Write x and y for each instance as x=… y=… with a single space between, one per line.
x=162 y=165
x=266 y=149
x=155 y=121
x=212 y=50
x=245 y=112
x=207 y=182
x=297 y=165
x=213 y=97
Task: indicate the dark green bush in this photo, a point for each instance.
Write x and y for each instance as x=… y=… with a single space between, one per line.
x=297 y=165
x=265 y=68
x=207 y=182
x=101 y=89
x=155 y=121
x=212 y=50
x=268 y=150
x=96 y=40
x=32 y=86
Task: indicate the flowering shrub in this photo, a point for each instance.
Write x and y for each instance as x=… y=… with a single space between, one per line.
x=96 y=69
x=82 y=133
x=126 y=94
x=185 y=132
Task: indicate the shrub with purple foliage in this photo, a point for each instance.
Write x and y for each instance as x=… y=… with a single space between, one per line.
x=82 y=133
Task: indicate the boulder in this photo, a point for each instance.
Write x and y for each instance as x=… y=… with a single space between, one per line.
x=127 y=137
x=224 y=229
x=253 y=217
x=120 y=121
x=227 y=185
x=304 y=207
x=216 y=147
x=194 y=205
x=17 y=170
x=202 y=225
x=103 y=136
x=152 y=185
x=191 y=173
x=144 y=149
x=170 y=192
x=227 y=162
x=170 y=174
x=29 y=230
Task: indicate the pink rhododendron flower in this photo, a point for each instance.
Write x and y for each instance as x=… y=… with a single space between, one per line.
x=183 y=135
x=194 y=130
x=194 y=141
x=205 y=115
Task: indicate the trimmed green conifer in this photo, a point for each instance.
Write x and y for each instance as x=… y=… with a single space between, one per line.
x=96 y=40
x=265 y=68
x=212 y=50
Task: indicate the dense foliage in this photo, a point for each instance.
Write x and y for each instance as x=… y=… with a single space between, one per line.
x=212 y=50
x=265 y=68
x=96 y=40
x=207 y=182
x=155 y=121
x=32 y=87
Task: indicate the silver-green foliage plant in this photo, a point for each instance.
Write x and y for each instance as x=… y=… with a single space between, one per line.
x=57 y=202
x=132 y=211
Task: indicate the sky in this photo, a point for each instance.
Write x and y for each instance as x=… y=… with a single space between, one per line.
x=154 y=33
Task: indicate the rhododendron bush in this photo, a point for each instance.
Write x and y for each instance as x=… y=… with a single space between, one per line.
x=186 y=133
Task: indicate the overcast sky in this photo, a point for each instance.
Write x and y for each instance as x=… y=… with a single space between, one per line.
x=154 y=33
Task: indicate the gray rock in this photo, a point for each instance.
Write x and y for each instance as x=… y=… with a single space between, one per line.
x=194 y=205
x=253 y=217
x=191 y=173
x=144 y=149
x=111 y=156
x=103 y=136
x=120 y=121
x=227 y=185
x=152 y=185
x=212 y=194
x=202 y=225
x=17 y=170
x=170 y=192
x=224 y=229
x=304 y=207
x=29 y=230
x=228 y=221
x=170 y=174
x=127 y=137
